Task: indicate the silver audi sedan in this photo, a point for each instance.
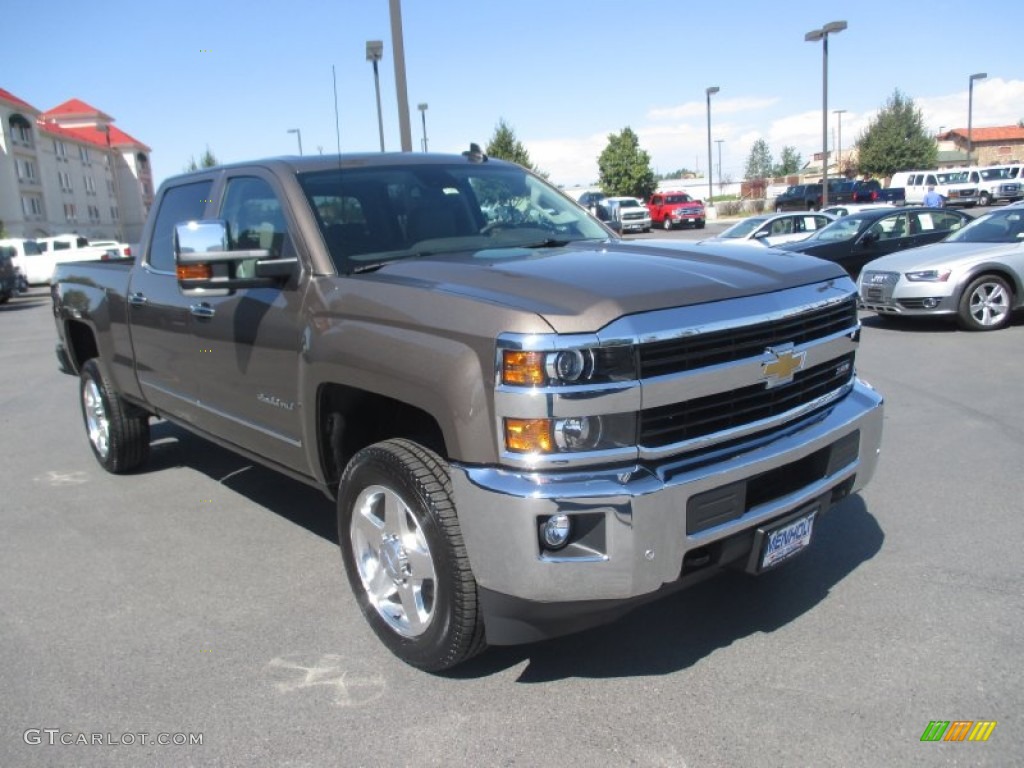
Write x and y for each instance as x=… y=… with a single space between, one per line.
x=975 y=274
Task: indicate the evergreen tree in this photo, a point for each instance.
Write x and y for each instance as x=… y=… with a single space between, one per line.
x=624 y=168
x=759 y=161
x=896 y=140
x=505 y=146
x=207 y=160
x=789 y=163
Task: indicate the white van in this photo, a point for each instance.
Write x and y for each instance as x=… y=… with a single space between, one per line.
x=35 y=265
x=998 y=182
x=952 y=184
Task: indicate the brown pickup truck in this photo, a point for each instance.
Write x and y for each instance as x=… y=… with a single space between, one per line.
x=529 y=425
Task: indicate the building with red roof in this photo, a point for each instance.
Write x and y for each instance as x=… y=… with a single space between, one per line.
x=69 y=169
x=989 y=146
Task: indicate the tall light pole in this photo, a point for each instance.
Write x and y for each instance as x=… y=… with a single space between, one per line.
x=374 y=53
x=719 y=143
x=422 y=107
x=708 y=91
x=298 y=134
x=970 y=111
x=839 y=147
x=813 y=36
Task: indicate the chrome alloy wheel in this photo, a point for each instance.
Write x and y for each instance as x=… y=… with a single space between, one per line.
x=989 y=303
x=96 y=422
x=393 y=559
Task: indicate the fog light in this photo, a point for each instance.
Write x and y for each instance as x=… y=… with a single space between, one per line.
x=555 y=531
x=930 y=303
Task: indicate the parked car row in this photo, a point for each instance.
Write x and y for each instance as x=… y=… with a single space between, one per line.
x=965 y=186
x=809 y=197
x=912 y=261
x=667 y=210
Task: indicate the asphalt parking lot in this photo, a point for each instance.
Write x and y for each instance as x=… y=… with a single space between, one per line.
x=204 y=597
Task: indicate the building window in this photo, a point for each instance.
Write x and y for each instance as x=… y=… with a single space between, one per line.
x=65 y=181
x=94 y=214
x=83 y=153
x=60 y=150
x=31 y=206
x=114 y=213
x=70 y=214
x=110 y=188
x=90 y=185
x=21 y=130
x=1004 y=151
x=26 y=170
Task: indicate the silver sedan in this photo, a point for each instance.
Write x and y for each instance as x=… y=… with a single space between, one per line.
x=775 y=228
x=976 y=274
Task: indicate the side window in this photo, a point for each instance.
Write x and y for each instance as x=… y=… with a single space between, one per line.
x=254 y=216
x=184 y=203
x=930 y=179
x=947 y=221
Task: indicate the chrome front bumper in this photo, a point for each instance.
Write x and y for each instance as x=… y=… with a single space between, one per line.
x=641 y=511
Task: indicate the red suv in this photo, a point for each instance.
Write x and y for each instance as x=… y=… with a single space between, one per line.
x=671 y=208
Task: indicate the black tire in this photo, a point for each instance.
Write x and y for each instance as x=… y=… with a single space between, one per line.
x=699 y=225
x=414 y=558
x=118 y=432
x=985 y=304
x=666 y=223
x=985 y=199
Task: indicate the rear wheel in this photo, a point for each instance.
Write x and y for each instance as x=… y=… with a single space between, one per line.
x=985 y=304
x=404 y=555
x=666 y=223
x=118 y=431
x=985 y=199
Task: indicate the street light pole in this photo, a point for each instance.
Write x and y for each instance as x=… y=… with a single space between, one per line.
x=298 y=134
x=708 y=91
x=813 y=36
x=422 y=107
x=719 y=143
x=839 y=148
x=374 y=53
x=970 y=112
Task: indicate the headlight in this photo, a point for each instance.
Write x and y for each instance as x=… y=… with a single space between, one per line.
x=928 y=276
x=577 y=434
x=521 y=368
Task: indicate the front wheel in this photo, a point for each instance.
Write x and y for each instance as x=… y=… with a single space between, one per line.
x=985 y=304
x=118 y=431
x=699 y=225
x=666 y=223
x=404 y=555
x=985 y=200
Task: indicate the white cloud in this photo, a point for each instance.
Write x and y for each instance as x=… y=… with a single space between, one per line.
x=718 y=107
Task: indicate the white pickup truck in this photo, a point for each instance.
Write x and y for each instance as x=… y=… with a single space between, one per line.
x=62 y=248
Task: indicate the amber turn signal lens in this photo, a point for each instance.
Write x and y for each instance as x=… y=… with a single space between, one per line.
x=524 y=369
x=528 y=435
x=195 y=271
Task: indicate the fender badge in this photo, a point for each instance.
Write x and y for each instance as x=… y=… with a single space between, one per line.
x=781 y=364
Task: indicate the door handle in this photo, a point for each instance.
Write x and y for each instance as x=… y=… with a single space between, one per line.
x=202 y=310
x=137 y=299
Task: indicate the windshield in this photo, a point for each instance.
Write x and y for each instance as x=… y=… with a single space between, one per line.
x=1005 y=226
x=840 y=229
x=743 y=228
x=678 y=199
x=629 y=202
x=955 y=177
x=371 y=215
x=994 y=174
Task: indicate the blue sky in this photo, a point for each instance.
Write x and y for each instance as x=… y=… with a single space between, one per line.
x=563 y=73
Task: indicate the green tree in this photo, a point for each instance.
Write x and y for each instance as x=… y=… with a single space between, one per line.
x=896 y=140
x=624 y=168
x=505 y=146
x=3 y=231
x=682 y=173
x=759 y=161
x=789 y=163
x=207 y=160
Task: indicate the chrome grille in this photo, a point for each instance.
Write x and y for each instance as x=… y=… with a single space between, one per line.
x=703 y=416
x=658 y=358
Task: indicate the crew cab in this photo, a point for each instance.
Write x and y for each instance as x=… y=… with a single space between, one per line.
x=671 y=209
x=527 y=424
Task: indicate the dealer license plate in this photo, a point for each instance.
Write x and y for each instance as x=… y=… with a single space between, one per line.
x=785 y=541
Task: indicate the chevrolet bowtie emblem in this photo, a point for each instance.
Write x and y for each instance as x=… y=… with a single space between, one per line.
x=781 y=364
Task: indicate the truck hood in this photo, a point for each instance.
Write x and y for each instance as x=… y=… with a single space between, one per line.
x=581 y=287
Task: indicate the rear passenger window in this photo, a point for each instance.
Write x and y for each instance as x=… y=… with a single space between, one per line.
x=179 y=204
